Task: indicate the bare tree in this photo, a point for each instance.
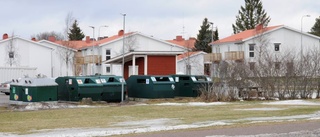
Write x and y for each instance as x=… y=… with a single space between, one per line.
x=12 y=52
x=67 y=53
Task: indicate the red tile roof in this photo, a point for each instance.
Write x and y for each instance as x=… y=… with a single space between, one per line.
x=182 y=42
x=82 y=44
x=244 y=35
x=187 y=54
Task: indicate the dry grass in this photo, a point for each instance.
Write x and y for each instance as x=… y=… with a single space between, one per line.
x=106 y=116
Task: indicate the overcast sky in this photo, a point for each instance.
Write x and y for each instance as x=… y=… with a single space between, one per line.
x=163 y=19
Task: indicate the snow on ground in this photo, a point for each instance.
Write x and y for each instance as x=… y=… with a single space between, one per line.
x=291 y=102
x=261 y=109
x=192 y=104
x=152 y=125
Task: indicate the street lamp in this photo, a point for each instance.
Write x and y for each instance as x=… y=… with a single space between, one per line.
x=212 y=67
x=301 y=34
x=92 y=67
x=122 y=83
x=99 y=31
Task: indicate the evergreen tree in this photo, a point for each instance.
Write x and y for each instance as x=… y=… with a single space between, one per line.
x=315 y=30
x=205 y=37
x=250 y=15
x=75 y=32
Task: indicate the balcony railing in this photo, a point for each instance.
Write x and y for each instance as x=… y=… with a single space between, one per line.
x=92 y=59
x=79 y=60
x=234 y=55
x=212 y=57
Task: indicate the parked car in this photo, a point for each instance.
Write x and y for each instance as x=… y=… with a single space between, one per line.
x=5 y=87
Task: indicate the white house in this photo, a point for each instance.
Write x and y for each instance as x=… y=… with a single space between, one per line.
x=144 y=52
x=28 y=57
x=279 y=41
x=189 y=62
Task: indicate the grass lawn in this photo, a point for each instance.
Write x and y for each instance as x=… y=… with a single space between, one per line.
x=106 y=116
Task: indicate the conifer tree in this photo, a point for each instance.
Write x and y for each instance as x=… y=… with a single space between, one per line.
x=250 y=15
x=315 y=30
x=75 y=32
x=205 y=37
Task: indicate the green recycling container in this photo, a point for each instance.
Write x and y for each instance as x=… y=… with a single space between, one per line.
x=148 y=86
x=39 y=89
x=16 y=89
x=75 y=88
x=190 y=85
x=112 y=88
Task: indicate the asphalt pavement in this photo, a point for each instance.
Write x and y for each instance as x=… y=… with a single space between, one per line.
x=4 y=99
x=288 y=129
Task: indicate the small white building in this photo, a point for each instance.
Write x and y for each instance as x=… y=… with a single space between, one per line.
x=28 y=57
x=189 y=62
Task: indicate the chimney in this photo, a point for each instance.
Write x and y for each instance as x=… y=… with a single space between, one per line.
x=120 y=33
x=52 y=38
x=33 y=39
x=87 y=39
x=179 y=38
x=192 y=38
x=259 y=27
x=5 y=36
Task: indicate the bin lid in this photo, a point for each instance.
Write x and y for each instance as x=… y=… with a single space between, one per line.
x=39 y=82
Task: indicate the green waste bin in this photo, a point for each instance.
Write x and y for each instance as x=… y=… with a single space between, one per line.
x=76 y=88
x=112 y=88
x=16 y=89
x=190 y=85
x=148 y=86
x=39 y=89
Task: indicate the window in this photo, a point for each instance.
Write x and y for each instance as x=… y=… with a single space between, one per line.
x=108 y=54
x=251 y=50
x=290 y=68
x=251 y=54
x=251 y=65
x=277 y=65
x=108 y=70
x=276 y=46
x=251 y=47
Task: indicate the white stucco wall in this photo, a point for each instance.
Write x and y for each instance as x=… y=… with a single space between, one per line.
x=59 y=66
x=28 y=54
x=197 y=64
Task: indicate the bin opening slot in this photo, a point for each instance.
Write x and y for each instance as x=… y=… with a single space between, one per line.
x=112 y=79
x=159 y=79
x=141 y=81
x=184 y=78
x=87 y=80
x=201 y=78
x=186 y=84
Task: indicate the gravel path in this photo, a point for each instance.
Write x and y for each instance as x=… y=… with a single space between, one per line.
x=290 y=129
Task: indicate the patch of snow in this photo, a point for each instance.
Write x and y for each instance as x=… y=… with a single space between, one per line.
x=262 y=109
x=160 y=125
x=192 y=104
x=291 y=102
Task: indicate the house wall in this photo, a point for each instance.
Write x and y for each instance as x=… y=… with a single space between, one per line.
x=139 y=63
x=161 y=65
x=28 y=54
x=59 y=66
x=196 y=62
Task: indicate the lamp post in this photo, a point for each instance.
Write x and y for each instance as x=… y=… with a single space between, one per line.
x=92 y=67
x=122 y=83
x=301 y=35
x=99 y=31
x=212 y=67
